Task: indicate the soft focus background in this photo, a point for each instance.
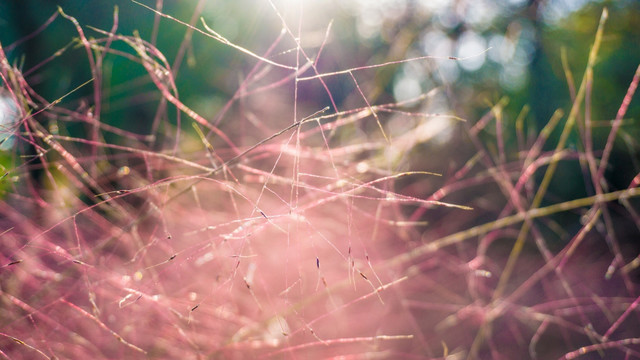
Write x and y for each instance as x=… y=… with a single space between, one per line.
x=123 y=236
x=523 y=66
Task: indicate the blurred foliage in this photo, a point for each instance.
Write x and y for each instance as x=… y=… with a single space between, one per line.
x=523 y=65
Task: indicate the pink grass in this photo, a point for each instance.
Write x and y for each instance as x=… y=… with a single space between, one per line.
x=282 y=227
